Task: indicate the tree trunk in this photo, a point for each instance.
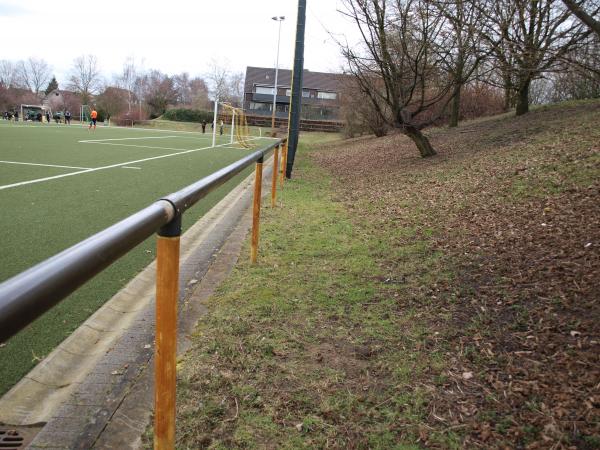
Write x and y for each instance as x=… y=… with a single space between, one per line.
x=420 y=140
x=455 y=108
x=523 y=98
x=507 y=99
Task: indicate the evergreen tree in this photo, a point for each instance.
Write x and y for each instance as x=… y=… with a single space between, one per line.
x=52 y=85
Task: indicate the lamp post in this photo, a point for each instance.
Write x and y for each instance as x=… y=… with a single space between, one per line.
x=277 y=19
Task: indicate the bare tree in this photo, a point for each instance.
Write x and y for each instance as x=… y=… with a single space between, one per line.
x=586 y=17
x=85 y=77
x=199 y=93
x=8 y=73
x=113 y=101
x=400 y=66
x=358 y=112
x=181 y=83
x=34 y=74
x=218 y=80
x=224 y=83
x=127 y=79
x=159 y=92
x=579 y=76
x=466 y=50
x=529 y=38
x=236 y=88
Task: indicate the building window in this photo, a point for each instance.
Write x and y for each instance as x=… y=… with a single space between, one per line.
x=260 y=106
x=327 y=95
x=264 y=90
x=305 y=93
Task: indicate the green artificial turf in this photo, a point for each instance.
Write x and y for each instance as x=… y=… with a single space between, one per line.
x=41 y=219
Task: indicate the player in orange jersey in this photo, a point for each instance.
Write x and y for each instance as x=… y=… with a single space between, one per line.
x=94 y=116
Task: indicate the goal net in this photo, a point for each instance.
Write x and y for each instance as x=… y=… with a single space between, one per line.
x=239 y=130
x=85 y=114
x=33 y=113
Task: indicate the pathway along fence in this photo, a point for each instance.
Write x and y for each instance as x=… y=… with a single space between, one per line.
x=28 y=295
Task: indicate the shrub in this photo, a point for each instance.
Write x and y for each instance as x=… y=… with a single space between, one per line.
x=187 y=115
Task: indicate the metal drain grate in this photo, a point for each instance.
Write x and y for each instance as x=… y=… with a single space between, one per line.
x=13 y=437
x=11 y=440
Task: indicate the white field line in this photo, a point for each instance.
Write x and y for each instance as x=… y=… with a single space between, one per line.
x=96 y=169
x=133 y=145
x=95 y=141
x=44 y=165
x=128 y=167
x=39 y=127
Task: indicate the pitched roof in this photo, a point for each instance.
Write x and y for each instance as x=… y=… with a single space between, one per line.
x=310 y=80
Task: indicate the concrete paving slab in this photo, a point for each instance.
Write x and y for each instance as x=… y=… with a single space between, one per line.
x=56 y=371
x=83 y=342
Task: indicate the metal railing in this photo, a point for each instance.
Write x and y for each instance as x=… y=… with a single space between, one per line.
x=26 y=296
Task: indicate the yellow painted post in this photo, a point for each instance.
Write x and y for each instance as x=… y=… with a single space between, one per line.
x=274 y=177
x=284 y=154
x=256 y=211
x=165 y=363
x=281 y=167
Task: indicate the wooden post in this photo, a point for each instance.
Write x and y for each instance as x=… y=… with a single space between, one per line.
x=284 y=154
x=274 y=177
x=165 y=354
x=281 y=168
x=256 y=211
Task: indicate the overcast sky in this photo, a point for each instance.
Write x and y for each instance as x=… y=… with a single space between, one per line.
x=173 y=36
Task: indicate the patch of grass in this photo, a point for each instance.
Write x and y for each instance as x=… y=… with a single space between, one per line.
x=305 y=348
x=592 y=441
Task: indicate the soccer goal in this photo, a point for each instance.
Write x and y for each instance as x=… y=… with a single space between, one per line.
x=124 y=122
x=230 y=115
x=85 y=114
x=33 y=113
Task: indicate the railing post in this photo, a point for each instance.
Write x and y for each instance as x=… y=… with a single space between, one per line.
x=284 y=153
x=274 y=177
x=256 y=210
x=165 y=354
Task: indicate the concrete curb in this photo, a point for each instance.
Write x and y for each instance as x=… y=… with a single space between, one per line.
x=80 y=386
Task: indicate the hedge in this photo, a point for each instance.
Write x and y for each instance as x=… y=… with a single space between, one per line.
x=188 y=115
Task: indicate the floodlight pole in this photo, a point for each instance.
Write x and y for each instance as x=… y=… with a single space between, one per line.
x=278 y=19
x=296 y=100
x=214 y=141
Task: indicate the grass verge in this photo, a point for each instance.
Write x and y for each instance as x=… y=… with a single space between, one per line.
x=308 y=348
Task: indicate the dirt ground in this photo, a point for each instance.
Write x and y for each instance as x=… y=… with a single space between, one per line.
x=513 y=207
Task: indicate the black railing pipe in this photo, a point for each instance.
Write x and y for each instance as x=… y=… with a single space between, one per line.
x=188 y=196
x=28 y=295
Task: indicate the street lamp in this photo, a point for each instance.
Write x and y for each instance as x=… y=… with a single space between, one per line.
x=277 y=19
